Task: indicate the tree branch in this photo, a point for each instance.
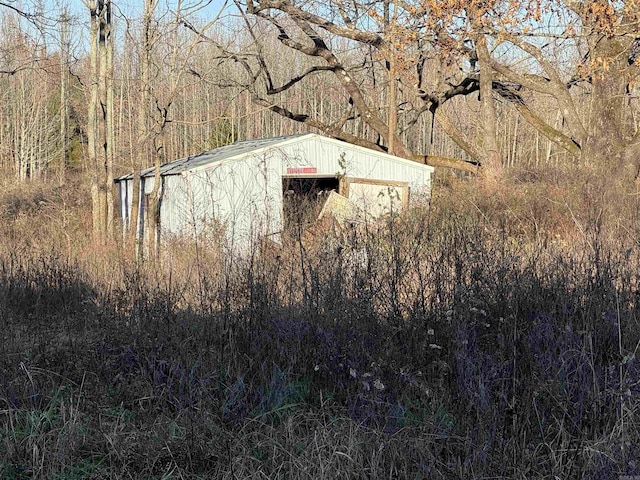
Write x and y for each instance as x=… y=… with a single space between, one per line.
x=286 y=6
x=457 y=136
x=29 y=16
x=321 y=50
x=557 y=88
x=298 y=78
x=535 y=83
x=547 y=130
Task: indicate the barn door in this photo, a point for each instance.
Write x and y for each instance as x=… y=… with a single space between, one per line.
x=376 y=197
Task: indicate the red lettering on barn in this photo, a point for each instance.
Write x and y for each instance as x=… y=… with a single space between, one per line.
x=301 y=170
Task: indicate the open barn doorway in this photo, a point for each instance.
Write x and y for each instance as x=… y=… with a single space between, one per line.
x=303 y=198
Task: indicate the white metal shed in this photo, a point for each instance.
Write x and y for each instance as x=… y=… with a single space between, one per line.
x=243 y=185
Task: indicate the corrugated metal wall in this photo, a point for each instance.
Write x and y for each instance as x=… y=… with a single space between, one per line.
x=331 y=157
x=242 y=195
x=246 y=194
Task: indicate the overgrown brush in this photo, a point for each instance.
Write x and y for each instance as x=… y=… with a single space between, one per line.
x=445 y=343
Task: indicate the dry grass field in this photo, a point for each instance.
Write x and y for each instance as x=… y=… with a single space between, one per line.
x=492 y=334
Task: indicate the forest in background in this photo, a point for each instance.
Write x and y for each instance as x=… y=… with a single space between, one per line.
x=484 y=87
x=493 y=333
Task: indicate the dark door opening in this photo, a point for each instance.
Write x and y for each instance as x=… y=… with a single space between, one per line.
x=303 y=198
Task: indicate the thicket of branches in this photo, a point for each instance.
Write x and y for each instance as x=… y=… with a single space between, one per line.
x=479 y=86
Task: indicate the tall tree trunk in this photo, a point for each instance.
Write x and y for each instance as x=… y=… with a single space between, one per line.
x=137 y=237
x=605 y=142
x=492 y=168
x=110 y=127
x=100 y=120
x=95 y=8
x=64 y=101
x=392 y=119
x=101 y=142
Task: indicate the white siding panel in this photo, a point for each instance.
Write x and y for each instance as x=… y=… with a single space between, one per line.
x=376 y=200
x=148 y=183
x=173 y=202
x=245 y=193
x=331 y=158
x=125 y=192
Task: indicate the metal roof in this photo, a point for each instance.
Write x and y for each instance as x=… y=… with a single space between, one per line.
x=219 y=154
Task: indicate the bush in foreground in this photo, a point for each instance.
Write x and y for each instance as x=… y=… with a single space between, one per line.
x=438 y=345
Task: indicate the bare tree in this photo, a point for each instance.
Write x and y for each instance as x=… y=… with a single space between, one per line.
x=419 y=56
x=441 y=51
x=29 y=136
x=64 y=91
x=164 y=57
x=100 y=134
x=591 y=92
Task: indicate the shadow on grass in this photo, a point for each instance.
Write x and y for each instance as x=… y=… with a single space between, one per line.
x=463 y=356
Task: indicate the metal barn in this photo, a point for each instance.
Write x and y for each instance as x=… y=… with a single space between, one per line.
x=246 y=186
